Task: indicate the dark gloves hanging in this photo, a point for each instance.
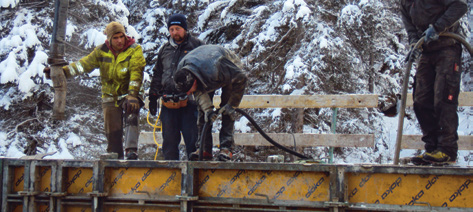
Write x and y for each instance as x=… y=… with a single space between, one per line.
x=153 y=104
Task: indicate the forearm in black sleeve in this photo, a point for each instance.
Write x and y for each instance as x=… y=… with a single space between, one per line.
x=156 y=85
x=455 y=10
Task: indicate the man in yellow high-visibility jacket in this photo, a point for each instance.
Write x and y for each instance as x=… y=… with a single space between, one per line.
x=121 y=64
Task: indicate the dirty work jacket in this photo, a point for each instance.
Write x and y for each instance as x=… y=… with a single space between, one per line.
x=168 y=58
x=216 y=67
x=120 y=75
x=442 y=14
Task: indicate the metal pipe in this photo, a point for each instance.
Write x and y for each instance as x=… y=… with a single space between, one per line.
x=56 y=58
x=333 y=130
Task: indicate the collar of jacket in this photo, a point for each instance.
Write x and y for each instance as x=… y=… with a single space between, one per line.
x=129 y=41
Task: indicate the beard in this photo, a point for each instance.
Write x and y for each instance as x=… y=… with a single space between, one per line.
x=178 y=38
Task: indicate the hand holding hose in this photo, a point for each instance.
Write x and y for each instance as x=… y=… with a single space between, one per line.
x=430 y=34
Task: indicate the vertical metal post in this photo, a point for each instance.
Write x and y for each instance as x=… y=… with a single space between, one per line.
x=56 y=58
x=3 y=191
x=53 y=184
x=333 y=130
x=26 y=186
x=98 y=186
x=59 y=185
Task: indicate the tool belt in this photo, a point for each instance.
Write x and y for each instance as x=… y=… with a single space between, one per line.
x=175 y=101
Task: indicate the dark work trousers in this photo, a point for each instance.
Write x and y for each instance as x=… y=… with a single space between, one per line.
x=436 y=90
x=175 y=122
x=115 y=122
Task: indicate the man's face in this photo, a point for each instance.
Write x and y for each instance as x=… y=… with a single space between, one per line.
x=118 y=41
x=177 y=33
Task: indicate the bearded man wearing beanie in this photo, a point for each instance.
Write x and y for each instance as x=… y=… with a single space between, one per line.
x=179 y=112
x=121 y=64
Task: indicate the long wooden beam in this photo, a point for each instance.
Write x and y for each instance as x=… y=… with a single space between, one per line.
x=324 y=101
x=464 y=99
x=285 y=139
x=306 y=101
x=414 y=142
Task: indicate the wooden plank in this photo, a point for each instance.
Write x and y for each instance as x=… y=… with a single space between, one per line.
x=323 y=101
x=306 y=101
x=285 y=139
x=465 y=142
x=465 y=99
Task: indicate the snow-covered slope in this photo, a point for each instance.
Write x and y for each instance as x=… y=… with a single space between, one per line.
x=289 y=47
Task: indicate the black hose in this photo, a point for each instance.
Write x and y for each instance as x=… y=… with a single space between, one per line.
x=203 y=136
x=253 y=122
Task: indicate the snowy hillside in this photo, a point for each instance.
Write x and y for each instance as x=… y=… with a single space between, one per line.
x=289 y=47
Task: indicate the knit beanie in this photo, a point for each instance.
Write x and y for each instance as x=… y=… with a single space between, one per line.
x=177 y=19
x=112 y=29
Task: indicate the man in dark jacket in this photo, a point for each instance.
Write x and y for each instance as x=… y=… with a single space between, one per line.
x=437 y=81
x=179 y=112
x=201 y=72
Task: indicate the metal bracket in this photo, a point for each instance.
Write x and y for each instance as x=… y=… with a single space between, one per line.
x=97 y=194
x=56 y=194
x=264 y=195
x=28 y=193
x=336 y=204
x=187 y=198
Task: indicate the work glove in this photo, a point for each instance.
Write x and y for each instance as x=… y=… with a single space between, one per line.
x=430 y=34
x=210 y=116
x=413 y=54
x=153 y=104
x=228 y=110
x=131 y=104
x=47 y=72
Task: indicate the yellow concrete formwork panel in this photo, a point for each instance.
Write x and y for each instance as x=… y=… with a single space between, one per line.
x=42 y=208
x=79 y=180
x=45 y=178
x=17 y=208
x=77 y=208
x=140 y=210
x=18 y=179
x=277 y=185
x=400 y=189
x=152 y=181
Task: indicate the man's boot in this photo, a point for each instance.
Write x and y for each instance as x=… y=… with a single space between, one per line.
x=131 y=154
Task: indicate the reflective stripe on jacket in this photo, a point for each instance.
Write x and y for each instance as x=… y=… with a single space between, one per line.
x=120 y=76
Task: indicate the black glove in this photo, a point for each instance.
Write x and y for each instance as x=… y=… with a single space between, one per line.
x=228 y=110
x=153 y=104
x=210 y=116
x=430 y=34
x=47 y=72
